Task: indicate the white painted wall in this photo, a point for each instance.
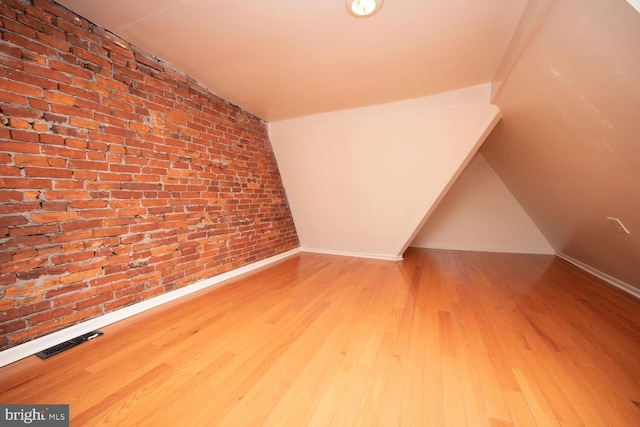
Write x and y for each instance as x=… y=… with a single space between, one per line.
x=568 y=147
x=362 y=181
x=480 y=214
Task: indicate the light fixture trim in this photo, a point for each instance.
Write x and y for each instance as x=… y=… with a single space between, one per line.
x=360 y=8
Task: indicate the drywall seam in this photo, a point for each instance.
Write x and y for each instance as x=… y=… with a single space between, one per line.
x=631 y=290
x=509 y=61
x=354 y=254
x=20 y=351
x=499 y=249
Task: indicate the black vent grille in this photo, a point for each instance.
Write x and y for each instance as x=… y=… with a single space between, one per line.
x=59 y=348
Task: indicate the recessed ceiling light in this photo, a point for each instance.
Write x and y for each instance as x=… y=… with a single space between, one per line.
x=363 y=8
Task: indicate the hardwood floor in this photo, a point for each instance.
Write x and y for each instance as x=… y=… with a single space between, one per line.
x=439 y=339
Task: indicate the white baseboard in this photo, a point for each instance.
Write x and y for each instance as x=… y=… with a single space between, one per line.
x=502 y=250
x=354 y=254
x=602 y=276
x=31 y=347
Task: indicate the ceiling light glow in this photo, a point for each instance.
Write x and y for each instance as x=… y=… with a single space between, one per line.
x=363 y=8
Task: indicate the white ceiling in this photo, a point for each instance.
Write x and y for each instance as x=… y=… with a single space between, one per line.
x=280 y=59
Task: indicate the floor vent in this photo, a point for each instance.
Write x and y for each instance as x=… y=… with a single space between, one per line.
x=59 y=348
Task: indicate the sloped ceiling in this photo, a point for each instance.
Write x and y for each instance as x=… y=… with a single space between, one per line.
x=280 y=59
x=568 y=147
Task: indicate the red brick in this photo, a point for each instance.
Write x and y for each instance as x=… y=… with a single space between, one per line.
x=91 y=302
x=40 y=126
x=111 y=222
x=84 y=165
x=77 y=237
x=104 y=186
x=46 y=73
x=148 y=60
x=66 y=289
x=59 y=98
x=35 y=331
x=69 y=69
x=120 y=302
x=81 y=315
x=84 y=123
x=35 y=240
x=48 y=173
x=12 y=59
x=109 y=36
x=31 y=79
x=38 y=161
x=23 y=264
x=60 y=45
x=54 y=9
x=12 y=98
x=120 y=177
x=11 y=196
x=82 y=225
x=79 y=94
x=26 y=136
x=5 y=305
x=39 y=13
x=17 y=123
x=91 y=86
x=12 y=221
x=77 y=26
x=29 y=44
x=15 y=325
x=88 y=204
x=69 y=153
x=33 y=57
x=55 y=118
x=39 y=272
x=113 y=130
x=111 y=231
x=67 y=184
x=50 y=314
x=18 y=111
x=66 y=195
x=9 y=171
x=30 y=21
x=19 y=207
x=63 y=259
x=73 y=111
x=53 y=206
x=51 y=139
x=18 y=28
x=93 y=264
x=118 y=105
x=106 y=119
x=24 y=183
x=48 y=217
x=80 y=276
x=9 y=10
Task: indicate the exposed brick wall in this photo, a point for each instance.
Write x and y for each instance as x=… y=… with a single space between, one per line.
x=120 y=177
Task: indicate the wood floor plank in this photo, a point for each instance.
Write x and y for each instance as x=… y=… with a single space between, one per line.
x=558 y=400
x=440 y=338
x=536 y=401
